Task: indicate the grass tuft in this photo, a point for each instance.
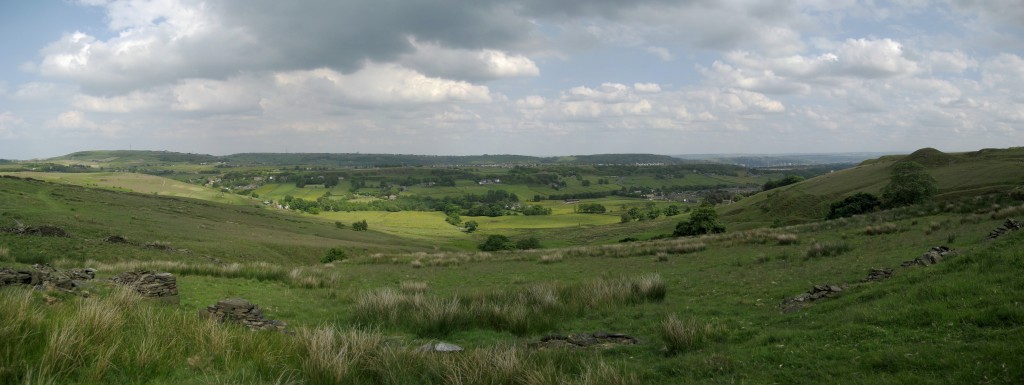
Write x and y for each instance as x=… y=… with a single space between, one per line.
x=691 y=334
x=827 y=249
x=884 y=228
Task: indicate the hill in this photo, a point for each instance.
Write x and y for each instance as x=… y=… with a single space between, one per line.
x=122 y=158
x=957 y=175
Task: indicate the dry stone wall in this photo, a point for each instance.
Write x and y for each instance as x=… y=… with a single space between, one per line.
x=150 y=284
x=238 y=310
x=45 y=276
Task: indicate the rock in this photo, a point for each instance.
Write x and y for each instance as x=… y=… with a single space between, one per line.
x=46 y=277
x=931 y=257
x=443 y=347
x=583 y=340
x=877 y=275
x=115 y=239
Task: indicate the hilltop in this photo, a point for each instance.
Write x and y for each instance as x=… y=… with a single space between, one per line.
x=957 y=175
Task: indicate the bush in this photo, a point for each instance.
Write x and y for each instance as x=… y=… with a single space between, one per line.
x=360 y=226
x=334 y=254
x=471 y=226
x=528 y=243
x=859 y=203
x=772 y=184
x=339 y=224
x=497 y=242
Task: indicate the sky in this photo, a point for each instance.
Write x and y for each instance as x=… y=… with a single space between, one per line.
x=531 y=77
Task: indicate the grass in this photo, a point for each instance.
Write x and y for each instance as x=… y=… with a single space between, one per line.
x=827 y=249
x=682 y=336
x=956 y=322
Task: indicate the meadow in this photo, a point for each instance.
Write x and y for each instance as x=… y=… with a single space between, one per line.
x=704 y=309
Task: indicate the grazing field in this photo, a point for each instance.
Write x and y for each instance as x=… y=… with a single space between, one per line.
x=717 y=309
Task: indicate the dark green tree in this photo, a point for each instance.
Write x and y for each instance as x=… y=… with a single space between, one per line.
x=909 y=184
x=497 y=242
x=671 y=211
x=856 y=204
x=360 y=226
x=528 y=243
x=471 y=226
x=703 y=220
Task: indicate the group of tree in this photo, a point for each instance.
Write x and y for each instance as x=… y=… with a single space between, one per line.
x=591 y=208
x=909 y=184
x=703 y=220
x=649 y=211
x=498 y=242
x=788 y=180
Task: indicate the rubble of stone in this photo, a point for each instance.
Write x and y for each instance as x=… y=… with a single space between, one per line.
x=1009 y=225
x=150 y=284
x=933 y=256
x=818 y=292
x=237 y=310
x=41 y=231
x=115 y=239
x=875 y=275
x=441 y=347
x=584 y=340
x=45 y=276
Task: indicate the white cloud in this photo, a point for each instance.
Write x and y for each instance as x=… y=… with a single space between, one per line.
x=874 y=58
x=8 y=123
x=1005 y=71
x=661 y=52
x=647 y=87
x=485 y=64
x=376 y=85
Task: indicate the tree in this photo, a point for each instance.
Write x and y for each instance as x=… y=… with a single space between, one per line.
x=703 y=220
x=497 y=242
x=909 y=184
x=360 y=226
x=671 y=211
x=782 y=182
x=856 y=204
x=471 y=226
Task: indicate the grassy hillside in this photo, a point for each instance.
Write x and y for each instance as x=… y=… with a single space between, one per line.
x=705 y=310
x=957 y=175
x=232 y=233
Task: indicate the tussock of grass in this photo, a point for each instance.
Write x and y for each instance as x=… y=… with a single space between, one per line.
x=550 y=258
x=787 y=239
x=5 y=254
x=884 y=228
x=827 y=249
x=690 y=334
x=534 y=309
x=1007 y=212
x=118 y=338
x=414 y=287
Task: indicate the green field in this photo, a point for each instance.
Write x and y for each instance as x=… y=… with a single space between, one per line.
x=704 y=309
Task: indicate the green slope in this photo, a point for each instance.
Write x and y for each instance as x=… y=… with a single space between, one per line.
x=956 y=175
x=227 y=232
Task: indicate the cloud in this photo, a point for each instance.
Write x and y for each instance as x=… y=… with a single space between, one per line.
x=474 y=65
x=661 y=52
x=8 y=123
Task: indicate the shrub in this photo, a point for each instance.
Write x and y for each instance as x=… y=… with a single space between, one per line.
x=360 y=226
x=334 y=254
x=528 y=243
x=339 y=224
x=856 y=204
x=471 y=226
x=497 y=242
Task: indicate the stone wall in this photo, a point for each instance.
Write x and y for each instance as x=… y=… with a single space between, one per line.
x=237 y=310
x=150 y=284
x=44 y=276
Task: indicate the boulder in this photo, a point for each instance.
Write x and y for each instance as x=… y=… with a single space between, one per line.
x=442 y=347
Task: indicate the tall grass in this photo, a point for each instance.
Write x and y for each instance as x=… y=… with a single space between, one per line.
x=827 y=249
x=537 y=308
x=5 y=254
x=884 y=228
x=117 y=338
x=689 y=334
